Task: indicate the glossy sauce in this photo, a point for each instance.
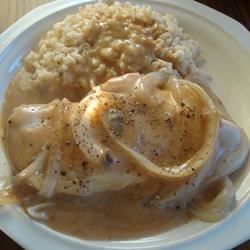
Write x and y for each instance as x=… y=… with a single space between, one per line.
x=104 y=216
x=113 y=215
x=17 y=94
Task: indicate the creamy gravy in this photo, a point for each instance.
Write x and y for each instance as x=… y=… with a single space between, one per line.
x=102 y=216
x=105 y=216
x=18 y=94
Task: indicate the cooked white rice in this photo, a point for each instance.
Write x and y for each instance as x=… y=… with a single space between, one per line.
x=102 y=41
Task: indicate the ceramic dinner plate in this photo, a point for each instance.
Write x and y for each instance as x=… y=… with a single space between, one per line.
x=226 y=46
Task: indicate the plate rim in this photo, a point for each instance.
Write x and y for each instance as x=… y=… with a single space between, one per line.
x=231 y=26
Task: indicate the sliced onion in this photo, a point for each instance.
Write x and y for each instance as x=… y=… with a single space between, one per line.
x=86 y=135
x=227 y=162
x=203 y=79
x=120 y=84
x=183 y=194
x=89 y=139
x=197 y=161
x=151 y=82
x=50 y=180
x=173 y=172
x=34 y=167
x=202 y=162
x=110 y=182
x=218 y=208
x=36 y=214
x=231 y=160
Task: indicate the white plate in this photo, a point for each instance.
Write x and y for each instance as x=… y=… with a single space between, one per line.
x=226 y=45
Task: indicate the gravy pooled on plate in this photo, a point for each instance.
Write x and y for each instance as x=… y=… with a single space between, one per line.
x=136 y=148
x=117 y=158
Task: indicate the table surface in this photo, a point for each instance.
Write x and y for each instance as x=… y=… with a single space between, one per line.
x=12 y=10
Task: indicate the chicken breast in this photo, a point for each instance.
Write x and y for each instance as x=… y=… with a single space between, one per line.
x=154 y=136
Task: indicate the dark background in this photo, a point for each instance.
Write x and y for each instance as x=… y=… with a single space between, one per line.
x=237 y=9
